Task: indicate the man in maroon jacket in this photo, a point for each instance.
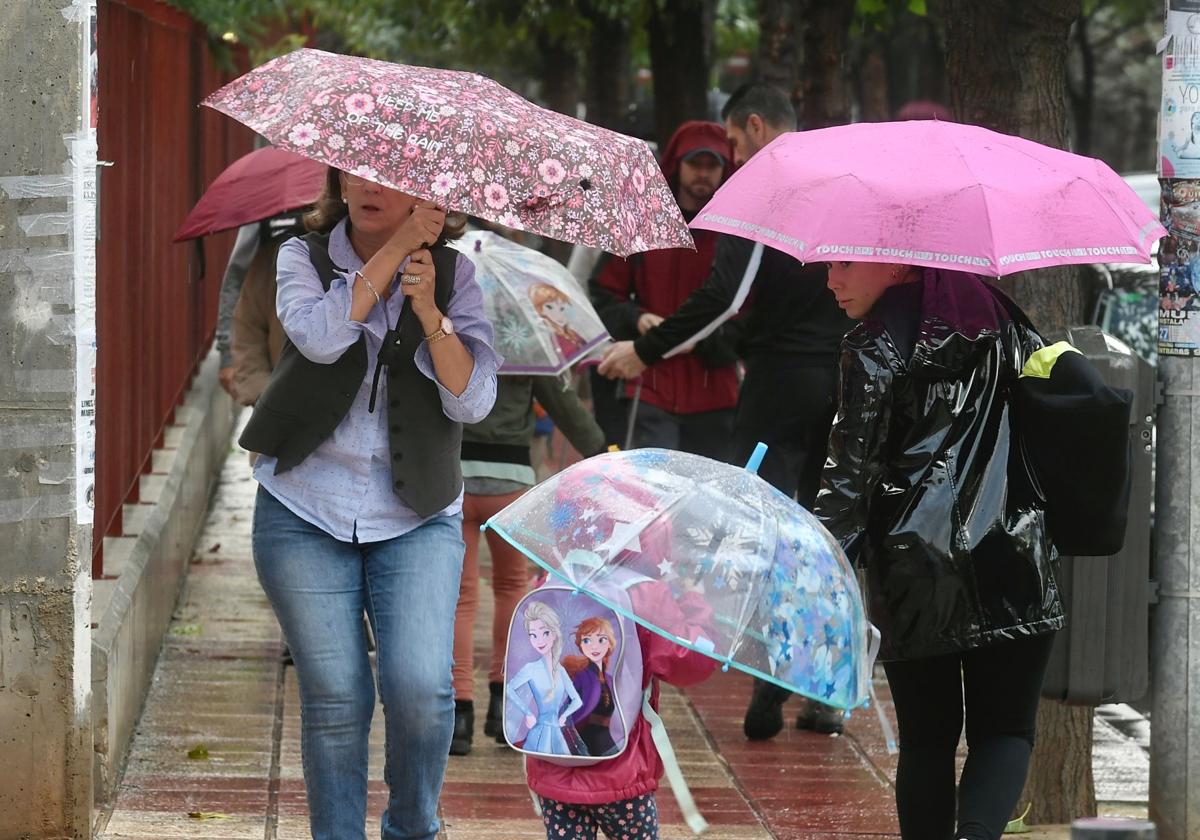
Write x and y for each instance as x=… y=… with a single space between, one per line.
x=686 y=402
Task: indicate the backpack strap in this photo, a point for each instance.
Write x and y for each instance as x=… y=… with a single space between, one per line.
x=658 y=732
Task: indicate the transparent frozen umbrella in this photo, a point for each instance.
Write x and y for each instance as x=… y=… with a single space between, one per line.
x=786 y=603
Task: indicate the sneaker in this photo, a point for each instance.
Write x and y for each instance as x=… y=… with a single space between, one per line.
x=764 y=715
x=820 y=718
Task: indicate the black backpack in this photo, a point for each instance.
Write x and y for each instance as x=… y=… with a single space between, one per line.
x=1073 y=433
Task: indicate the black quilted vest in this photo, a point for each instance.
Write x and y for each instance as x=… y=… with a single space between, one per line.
x=305 y=401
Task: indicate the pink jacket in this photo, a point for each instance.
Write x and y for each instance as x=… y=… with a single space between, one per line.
x=637 y=770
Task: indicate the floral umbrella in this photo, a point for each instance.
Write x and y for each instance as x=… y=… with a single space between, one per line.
x=464 y=141
x=544 y=321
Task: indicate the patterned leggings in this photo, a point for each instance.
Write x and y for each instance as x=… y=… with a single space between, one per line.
x=629 y=819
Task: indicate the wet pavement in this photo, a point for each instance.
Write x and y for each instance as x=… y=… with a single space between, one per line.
x=216 y=754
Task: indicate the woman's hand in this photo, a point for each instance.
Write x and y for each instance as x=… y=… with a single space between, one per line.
x=562 y=720
x=418 y=283
x=421 y=229
x=530 y=720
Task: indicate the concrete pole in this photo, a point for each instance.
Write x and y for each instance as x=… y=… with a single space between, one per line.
x=47 y=351
x=1175 y=621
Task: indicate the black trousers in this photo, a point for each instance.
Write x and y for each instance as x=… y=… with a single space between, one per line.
x=705 y=433
x=999 y=685
x=788 y=404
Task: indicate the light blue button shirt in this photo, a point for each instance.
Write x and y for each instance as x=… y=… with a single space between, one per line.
x=344 y=486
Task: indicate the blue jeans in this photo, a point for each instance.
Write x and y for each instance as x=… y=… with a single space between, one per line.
x=319 y=587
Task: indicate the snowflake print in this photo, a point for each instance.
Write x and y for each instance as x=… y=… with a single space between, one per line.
x=304 y=134
x=495 y=195
x=359 y=104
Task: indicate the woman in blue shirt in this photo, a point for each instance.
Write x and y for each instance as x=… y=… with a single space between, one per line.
x=360 y=501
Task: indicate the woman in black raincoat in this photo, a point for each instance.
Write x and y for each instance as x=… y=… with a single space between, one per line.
x=925 y=490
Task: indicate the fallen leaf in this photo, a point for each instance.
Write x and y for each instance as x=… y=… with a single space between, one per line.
x=207 y=815
x=198 y=753
x=215 y=547
x=187 y=630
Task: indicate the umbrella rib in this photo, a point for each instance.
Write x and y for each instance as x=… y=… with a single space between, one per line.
x=987 y=210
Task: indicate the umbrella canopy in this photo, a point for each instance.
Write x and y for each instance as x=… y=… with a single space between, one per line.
x=786 y=601
x=544 y=321
x=932 y=193
x=464 y=141
x=254 y=187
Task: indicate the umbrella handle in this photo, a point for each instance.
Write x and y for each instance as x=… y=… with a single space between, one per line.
x=633 y=407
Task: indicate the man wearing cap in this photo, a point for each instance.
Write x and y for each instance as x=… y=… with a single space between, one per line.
x=685 y=402
x=788 y=334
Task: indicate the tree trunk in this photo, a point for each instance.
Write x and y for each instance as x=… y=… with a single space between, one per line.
x=679 y=60
x=826 y=98
x=1083 y=101
x=778 y=52
x=873 y=87
x=1006 y=70
x=559 y=74
x=609 y=68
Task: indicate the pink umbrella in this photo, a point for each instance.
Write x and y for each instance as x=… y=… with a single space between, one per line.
x=932 y=193
x=464 y=141
x=256 y=186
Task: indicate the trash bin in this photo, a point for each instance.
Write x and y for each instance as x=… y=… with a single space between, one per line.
x=1103 y=654
x=1112 y=829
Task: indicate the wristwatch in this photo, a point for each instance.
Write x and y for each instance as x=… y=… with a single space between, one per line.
x=446 y=328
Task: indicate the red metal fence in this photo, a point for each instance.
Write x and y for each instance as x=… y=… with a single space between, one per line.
x=156 y=301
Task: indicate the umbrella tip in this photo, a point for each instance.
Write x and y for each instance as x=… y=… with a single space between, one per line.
x=478 y=245
x=756 y=458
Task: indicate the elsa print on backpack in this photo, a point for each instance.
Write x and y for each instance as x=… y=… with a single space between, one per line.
x=542 y=690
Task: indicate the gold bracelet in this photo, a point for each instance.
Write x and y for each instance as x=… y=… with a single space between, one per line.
x=371 y=288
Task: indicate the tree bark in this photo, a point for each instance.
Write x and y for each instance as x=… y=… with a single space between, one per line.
x=778 y=47
x=1006 y=70
x=559 y=74
x=873 y=87
x=679 y=60
x=609 y=69
x=826 y=92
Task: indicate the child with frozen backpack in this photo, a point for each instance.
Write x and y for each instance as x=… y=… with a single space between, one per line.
x=617 y=796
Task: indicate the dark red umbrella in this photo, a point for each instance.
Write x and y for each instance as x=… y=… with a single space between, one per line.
x=254 y=187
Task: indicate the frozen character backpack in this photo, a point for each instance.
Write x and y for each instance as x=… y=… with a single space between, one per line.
x=572 y=675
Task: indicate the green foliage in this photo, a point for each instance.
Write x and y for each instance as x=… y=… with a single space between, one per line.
x=881 y=15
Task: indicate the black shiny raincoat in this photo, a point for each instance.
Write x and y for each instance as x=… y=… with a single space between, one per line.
x=923 y=484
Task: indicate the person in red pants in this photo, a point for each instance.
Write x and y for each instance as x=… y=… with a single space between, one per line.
x=496 y=470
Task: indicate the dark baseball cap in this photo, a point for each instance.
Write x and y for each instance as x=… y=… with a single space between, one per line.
x=706 y=150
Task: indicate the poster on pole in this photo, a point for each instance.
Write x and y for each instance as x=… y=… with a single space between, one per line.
x=1183 y=18
x=84 y=214
x=1179 y=117
x=1179 y=267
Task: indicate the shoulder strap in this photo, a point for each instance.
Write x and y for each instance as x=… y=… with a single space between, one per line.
x=683 y=795
x=445 y=263
x=318 y=255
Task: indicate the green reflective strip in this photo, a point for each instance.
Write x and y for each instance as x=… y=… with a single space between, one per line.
x=1041 y=363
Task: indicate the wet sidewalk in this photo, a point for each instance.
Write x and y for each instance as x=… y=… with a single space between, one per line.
x=217 y=752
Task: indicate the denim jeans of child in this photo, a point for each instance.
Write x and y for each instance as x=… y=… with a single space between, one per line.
x=319 y=587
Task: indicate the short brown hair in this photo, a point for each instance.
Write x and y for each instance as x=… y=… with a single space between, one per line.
x=330 y=209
